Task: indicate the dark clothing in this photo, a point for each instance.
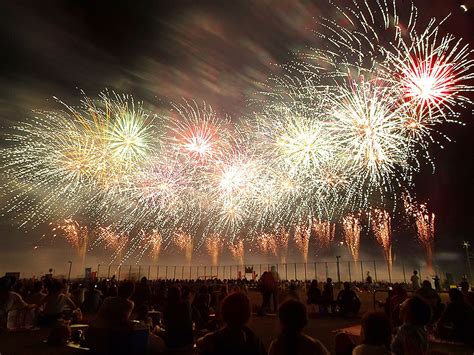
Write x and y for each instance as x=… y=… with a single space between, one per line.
x=231 y=342
x=348 y=302
x=178 y=324
x=314 y=295
x=92 y=301
x=268 y=285
x=457 y=323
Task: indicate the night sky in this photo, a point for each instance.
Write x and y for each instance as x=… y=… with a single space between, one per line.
x=216 y=51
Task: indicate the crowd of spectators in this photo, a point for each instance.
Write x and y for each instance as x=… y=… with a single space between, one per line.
x=211 y=316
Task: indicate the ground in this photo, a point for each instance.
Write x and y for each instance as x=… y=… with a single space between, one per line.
x=322 y=328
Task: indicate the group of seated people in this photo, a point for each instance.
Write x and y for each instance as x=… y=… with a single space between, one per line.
x=347 y=303
x=128 y=317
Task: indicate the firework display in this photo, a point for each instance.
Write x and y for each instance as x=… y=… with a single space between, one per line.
x=381 y=226
x=352 y=230
x=342 y=130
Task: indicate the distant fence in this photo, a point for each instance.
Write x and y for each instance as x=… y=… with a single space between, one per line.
x=338 y=270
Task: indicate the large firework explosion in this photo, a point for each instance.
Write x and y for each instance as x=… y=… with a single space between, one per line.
x=343 y=130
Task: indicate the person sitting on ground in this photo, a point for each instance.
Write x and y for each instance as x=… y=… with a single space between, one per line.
x=115 y=311
x=222 y=295
x=314 y=293
x=293 y=291
x=457 y=321
x=347 y=301
x=9 y=300
x=411 y=337
x=327 y=298
x=291 y=340
x=201 y=304
x=37 y=296
x=431 y=297
x=468 y=295
x=142 y=293
x=376 y=335
x=235 y=337
x=55 y=304
x=399 y=295
x=177 y=320
x=92 y=299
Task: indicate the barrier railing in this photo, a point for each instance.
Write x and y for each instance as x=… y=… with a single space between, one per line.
x=338 y=270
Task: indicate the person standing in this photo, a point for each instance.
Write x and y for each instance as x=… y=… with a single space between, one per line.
x=369 y=281
x=415 y=281
x=268 y=286
x=437 y=283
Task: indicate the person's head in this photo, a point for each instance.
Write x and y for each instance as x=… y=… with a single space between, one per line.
x=144 y=280
x=91 y=286
x=455 y=296
x=236 y=310
x=376 y=329
x=426 y=284
x=416 y=311
x=293 y=316
x=347 y=286
x=465 y=286
x=329 y=280
x=368 y=273
x=415 y=272
x=126 y=289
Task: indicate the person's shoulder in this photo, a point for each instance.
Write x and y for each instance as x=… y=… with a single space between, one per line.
x=207 y=343
x=313 y=345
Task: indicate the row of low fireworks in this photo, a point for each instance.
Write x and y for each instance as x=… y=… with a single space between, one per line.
x=275 y=245
x=342 y=130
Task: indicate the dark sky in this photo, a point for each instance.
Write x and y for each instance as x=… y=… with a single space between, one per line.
x=212 y=50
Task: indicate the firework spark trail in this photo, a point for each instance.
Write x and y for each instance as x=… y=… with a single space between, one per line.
x=76 y=235
x=267 y=243
x=381 y=226
x=301 y=237
x=341 y=130
x=213 y=246
x=352 y=229
x=282 y=238
x=425 y=227
x=110 y=239
x=184 y=241
x=324 y=232
x=237 y=250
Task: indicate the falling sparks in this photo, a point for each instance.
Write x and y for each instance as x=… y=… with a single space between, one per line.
x=324 y=232
x=184 y=241
x=425 y=227
x=381 y=226
x=302 y=236
x=343 y=129
x=352 y=229
x=213 y=246
x=237 y=250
